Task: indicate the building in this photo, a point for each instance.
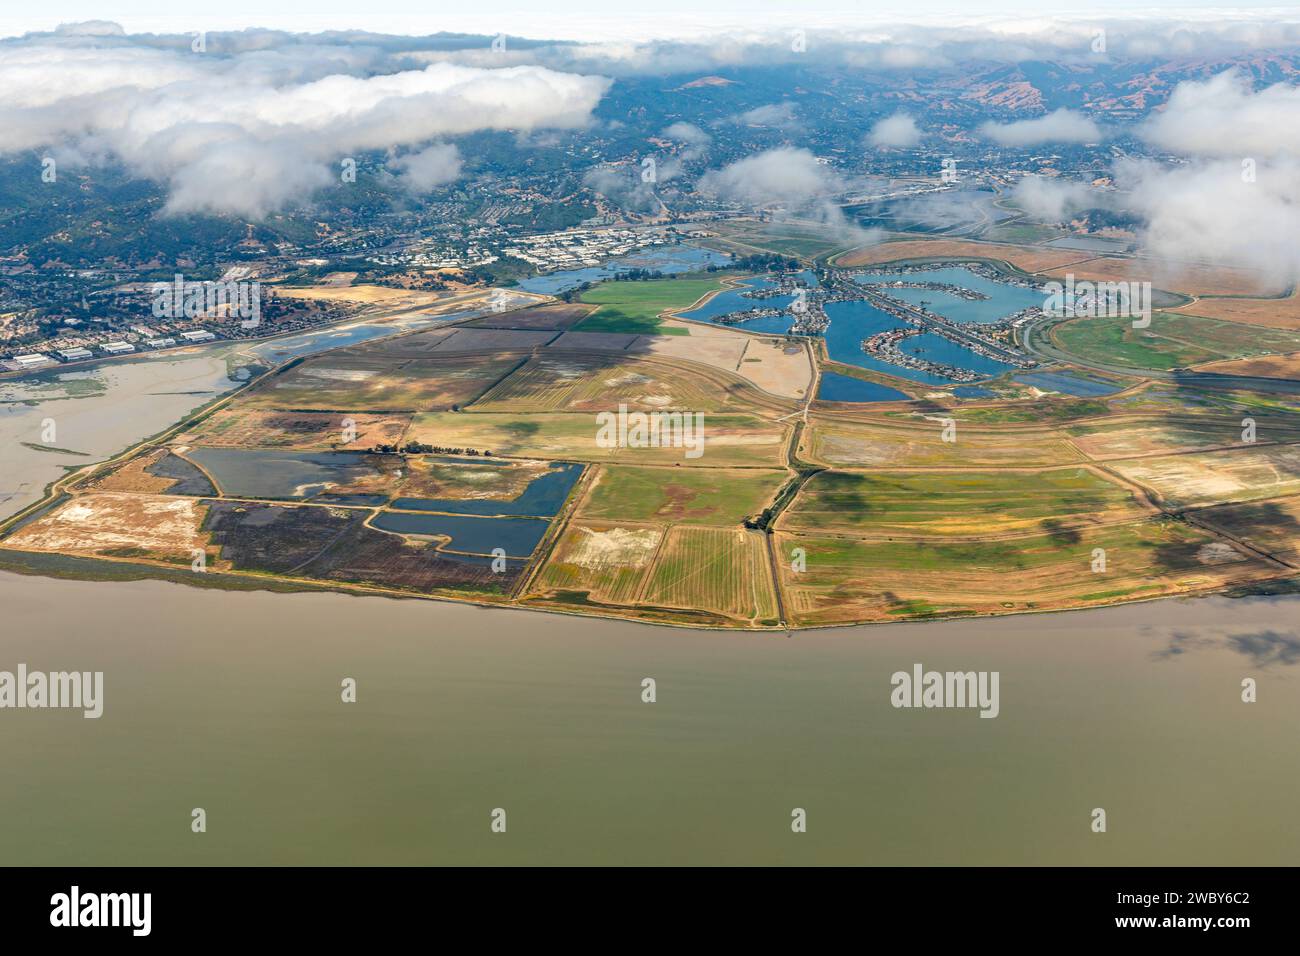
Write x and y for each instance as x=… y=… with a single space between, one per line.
x=117 y=348
x=75 y=354
x=160 y=343
x=198 y=335
x=33 y=360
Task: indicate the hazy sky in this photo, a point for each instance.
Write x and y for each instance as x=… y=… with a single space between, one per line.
x=580 y=19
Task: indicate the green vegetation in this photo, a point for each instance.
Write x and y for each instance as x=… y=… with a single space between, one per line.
x=959 y=503
x=691 y=496
x=634 y=307
x=1172 y=341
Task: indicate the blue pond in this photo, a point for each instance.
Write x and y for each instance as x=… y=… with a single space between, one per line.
x=851 y=322
x=973 y=391
x=543 y=496
x=843 y=388
x=1002 y=299
x=516 y=536
x=734 y=300
x=669 y=260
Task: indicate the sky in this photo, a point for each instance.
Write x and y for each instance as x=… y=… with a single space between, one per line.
x=581 y=19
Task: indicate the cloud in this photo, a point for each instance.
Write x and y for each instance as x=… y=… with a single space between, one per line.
x=687 y=133
x=785 y=175
x=899 y=131
x=627 y=188
x=253 y=131
x=781 y=115
x=1061 y=126
x=424 y=171
x=1224 y=116
x=1053 y=200
x=1209 y=212
x=793 y=181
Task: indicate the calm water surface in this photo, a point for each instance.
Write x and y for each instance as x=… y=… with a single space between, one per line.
x=230 y=702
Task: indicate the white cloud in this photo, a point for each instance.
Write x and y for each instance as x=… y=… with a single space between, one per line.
x=899 y=130
x=1208 y=212
x=251 y=132
x=1061 y=126
x=785 y=175
x=1053 y=200
x=424 y=171
x=1224 y=116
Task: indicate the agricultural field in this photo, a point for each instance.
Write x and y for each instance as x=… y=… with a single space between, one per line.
x=722 y=571
x=1172 y=341
x=237 y=426
x=719 y=497
x=350 y=384
x=729 y=440
x=551 y=318
x=594 y=381
x=854 y=579
x=635 y=307
x=965 y=504
x=1243 y=474
x=839 y=442
x=599 y=563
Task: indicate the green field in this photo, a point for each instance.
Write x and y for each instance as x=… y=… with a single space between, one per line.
x=634 y=307
x=959 y=503
x=712 y=496
x=1172 y=341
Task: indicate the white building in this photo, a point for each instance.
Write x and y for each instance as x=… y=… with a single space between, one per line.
x=198 y=335
x=117 y=348
x=75 y=354
x=32 y=360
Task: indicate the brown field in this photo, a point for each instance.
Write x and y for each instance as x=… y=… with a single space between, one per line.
x=849 y=580
x=361 y=294
x=1127 y=438
x=238 y=427
x=1243 y=474
x=1273 y=313
x=1026 y=258
x=117 y=525
x=722 y=570
x=1267 y=366
x=770 y=363
x=729 y=440
x=465 y=480
x=878 y=445
x=546 y=317
x=133 y=478
x=465 y=339
x=587 y=382
x=334 y=382
x=607 y=562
